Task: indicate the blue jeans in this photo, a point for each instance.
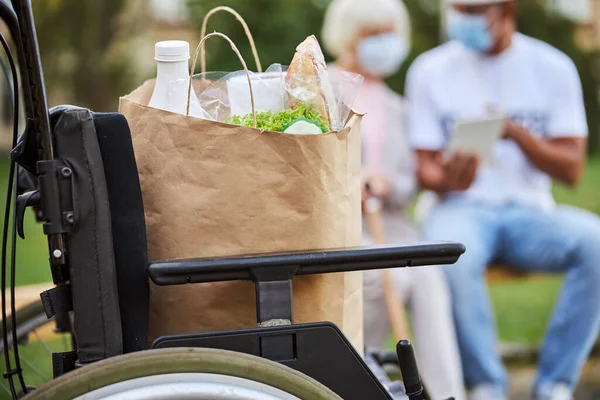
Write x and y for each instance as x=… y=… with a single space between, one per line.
x=565 y=240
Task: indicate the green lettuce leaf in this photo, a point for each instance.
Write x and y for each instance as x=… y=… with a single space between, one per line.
x=276 y=122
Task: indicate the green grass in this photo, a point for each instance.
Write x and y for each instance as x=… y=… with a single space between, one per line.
x=523 y=309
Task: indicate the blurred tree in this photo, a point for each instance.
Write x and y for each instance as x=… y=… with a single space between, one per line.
x=79 y=45
x=278 y=26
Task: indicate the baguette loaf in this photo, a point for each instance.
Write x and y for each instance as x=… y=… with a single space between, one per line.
x=308 y=81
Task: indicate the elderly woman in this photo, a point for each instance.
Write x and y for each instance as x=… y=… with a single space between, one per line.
x=372 y=38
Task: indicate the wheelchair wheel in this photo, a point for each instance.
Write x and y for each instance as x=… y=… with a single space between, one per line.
x=29 y=318
x=37 y=338
x=184 y=373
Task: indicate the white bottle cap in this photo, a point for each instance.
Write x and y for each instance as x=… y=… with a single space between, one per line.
x=172 y=51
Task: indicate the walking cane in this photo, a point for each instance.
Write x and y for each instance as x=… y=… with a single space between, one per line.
x=397 y=316
x=398 y=321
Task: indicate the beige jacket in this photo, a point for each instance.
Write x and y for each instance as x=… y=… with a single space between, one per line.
x=399 y=164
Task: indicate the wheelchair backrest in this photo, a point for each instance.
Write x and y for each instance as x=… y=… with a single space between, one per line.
x=106 y=245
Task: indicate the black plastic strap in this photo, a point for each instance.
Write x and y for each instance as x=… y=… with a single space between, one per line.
x=12 y=373
x=57 y=300
x=63 y=363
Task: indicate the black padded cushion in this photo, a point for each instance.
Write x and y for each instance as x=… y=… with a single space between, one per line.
x=128 y=226
x=89 y=244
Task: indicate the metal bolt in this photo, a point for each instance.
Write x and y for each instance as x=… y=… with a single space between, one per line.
x=66 y=172
x=70 y=218
x=57 y=253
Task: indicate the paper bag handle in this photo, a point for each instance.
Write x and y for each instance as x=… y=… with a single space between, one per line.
x=246 y=29
x=237 y=52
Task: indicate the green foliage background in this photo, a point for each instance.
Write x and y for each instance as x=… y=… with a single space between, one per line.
x=78 y=41
x=278 y=26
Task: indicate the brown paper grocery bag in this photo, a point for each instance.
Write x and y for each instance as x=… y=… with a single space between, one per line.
x=213 y=189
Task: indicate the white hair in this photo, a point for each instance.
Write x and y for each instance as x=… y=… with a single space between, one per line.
x=345 y=18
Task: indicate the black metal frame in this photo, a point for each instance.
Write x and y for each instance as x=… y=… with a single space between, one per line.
x=245 y=267
x=313 y=349
x=272 y=274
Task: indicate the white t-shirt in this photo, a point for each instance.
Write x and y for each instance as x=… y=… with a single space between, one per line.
x=534 y=83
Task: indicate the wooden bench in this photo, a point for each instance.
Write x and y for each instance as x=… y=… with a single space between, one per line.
x=504 y=273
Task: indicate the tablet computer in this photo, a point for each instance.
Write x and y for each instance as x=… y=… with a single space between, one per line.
x=478 y=136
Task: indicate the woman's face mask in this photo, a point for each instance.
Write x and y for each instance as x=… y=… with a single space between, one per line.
x=382 y=55
x=470 y=29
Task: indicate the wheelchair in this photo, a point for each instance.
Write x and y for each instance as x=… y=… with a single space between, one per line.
x=76 y=169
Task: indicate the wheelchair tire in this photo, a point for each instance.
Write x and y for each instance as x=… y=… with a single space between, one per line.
x=105 y=378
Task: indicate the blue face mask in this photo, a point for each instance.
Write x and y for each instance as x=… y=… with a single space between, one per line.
x=382 y=55
x=470 y=30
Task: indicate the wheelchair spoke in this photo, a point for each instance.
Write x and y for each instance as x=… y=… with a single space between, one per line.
x=37 y=335
x=34 y=369
x=33 y=326
x=4 y=387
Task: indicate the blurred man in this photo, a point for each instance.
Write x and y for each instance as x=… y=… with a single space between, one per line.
x=504 y=211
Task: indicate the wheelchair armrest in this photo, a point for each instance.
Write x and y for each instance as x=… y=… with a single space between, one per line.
x=176 y=272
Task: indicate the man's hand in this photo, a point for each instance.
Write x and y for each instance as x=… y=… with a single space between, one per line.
x=442 y=174
x=562 y=158
x=511 y=129
x=460 y=171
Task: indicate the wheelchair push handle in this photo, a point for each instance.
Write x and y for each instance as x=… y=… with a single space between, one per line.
x=409 y=370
